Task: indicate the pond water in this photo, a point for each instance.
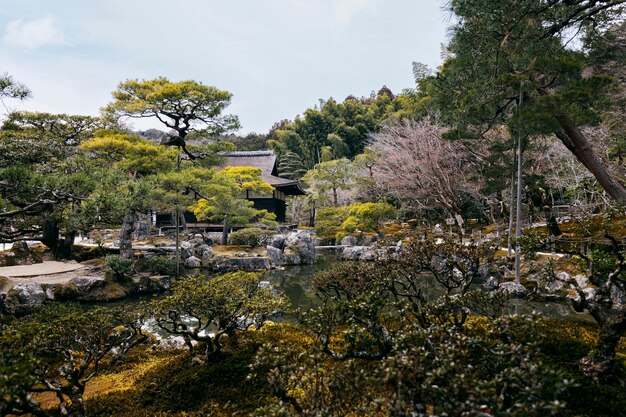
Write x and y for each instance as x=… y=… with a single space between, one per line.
x=295 y=283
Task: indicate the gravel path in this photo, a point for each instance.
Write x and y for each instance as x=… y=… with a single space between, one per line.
x=36 y=270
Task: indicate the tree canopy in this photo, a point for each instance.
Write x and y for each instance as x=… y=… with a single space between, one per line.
x=184 y=107
x=510 y=62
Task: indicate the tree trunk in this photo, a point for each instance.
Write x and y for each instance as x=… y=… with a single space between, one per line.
x=578 y=144
x=225 y=231
x=126 y=232
x=312 y=217
x=600 y=361
x=64 y=247
x=50 y=234
x=335 y=199
x=518 y=213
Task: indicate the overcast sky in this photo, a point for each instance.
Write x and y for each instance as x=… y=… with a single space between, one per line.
x=277 y=57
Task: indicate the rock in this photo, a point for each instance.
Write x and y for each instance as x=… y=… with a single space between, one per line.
x=199 y=238
x=514 y=288
x=193 y=262
x=20 y=254
x=582 y=281
x=486 y=271
x=61 y=292
x=23 y=297
x=153 y=284
x=505 y=272
x=86 y=285
x=359 y=253
x=207 y=254
x=187 y=249
x=368 y=239
x=275 y=255
x=7 y=258
x=555 y=285
x=302 y=244
x=349 y=241
x=200 y=250
x=249 y=264
x=277 y=241
x=172 y=343
x=214 y=237
x=491 y=283
x=5 y=284
x=292 y=257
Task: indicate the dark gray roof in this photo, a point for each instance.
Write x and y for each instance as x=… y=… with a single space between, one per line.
x=266 y=161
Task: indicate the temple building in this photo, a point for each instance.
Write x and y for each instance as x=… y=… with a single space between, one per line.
x=266 y=161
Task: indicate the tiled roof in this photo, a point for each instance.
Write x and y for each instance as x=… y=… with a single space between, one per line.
x=266 y=160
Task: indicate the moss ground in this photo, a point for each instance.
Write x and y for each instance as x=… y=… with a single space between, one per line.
x=157 y=383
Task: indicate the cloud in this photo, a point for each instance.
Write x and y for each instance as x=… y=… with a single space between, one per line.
x=345 y=10
x=32 y=34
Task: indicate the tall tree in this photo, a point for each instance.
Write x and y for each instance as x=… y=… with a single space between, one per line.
x=43 y=177
x=503 y=50
x=184 y=107
x=329 y=177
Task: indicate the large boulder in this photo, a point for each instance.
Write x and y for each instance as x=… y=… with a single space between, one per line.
x=20 y=254
x=299 y=248
x=248 y=264
x=276 y=256
x=24 y=297
x=199 y=238
x=349 y=241
x=359 y=253
x=87 y=285
x=187 y=249
x=492 y=283
x=439 y=265
x=61 y=292
x=193 y=262
x=489 y=270
x=277 y=241
x=206 y=254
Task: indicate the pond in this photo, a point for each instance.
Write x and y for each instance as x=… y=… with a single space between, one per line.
x=295 y=283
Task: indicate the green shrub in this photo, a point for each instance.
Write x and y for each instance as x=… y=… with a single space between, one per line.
x=118 y=268
x=250 y=237
x=160 y=265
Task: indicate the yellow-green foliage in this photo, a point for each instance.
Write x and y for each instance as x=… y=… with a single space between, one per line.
x=224 y=196
x=339 y=222
x=367 y=217
x=329 y=220
x=131 y=152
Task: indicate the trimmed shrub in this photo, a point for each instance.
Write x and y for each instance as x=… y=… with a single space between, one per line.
x=160 y=265
x=118 y=268
x=251 y=236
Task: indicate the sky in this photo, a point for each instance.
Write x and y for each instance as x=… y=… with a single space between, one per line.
x=277 y=57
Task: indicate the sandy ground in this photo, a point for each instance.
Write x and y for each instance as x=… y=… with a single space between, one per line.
x=42 y=269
